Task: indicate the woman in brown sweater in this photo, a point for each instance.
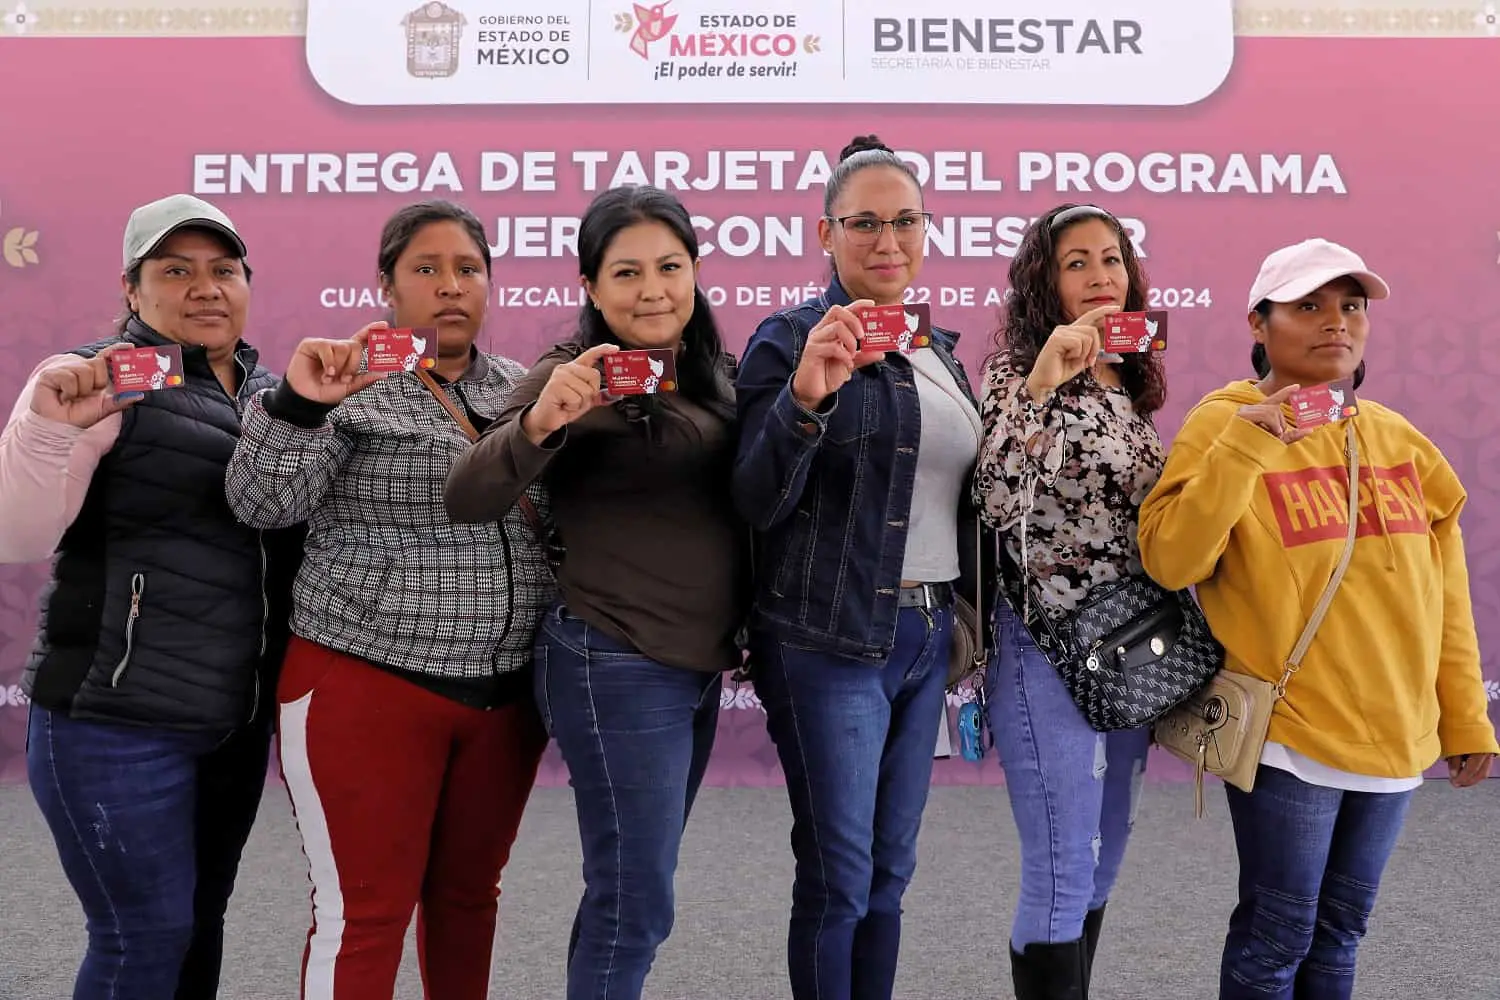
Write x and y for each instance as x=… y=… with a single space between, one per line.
x=651 y=577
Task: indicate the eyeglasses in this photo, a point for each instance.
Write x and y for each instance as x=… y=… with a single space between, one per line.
x=863 y=230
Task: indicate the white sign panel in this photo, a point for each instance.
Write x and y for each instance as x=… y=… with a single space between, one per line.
x=1078 y=52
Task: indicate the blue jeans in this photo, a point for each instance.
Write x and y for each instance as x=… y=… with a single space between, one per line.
x=1072 y=790
x=855 y=740
x=635 y=735
x=1310 y=864
x=149 y=826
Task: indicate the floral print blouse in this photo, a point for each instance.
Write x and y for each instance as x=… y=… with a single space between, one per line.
x=1068 y=477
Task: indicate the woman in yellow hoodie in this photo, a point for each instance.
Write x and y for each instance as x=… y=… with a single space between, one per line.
x=1253 y=510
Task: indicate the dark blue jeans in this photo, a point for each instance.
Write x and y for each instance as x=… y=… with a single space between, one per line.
x=635 y=735
x=856 y=741
x=149 y=825
x=1310 y=864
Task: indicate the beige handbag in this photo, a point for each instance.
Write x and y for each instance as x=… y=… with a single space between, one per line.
x=1221 y=729
x=968 y=656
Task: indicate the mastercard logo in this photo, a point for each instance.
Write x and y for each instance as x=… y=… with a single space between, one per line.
x=669 y=385
x=174 y=380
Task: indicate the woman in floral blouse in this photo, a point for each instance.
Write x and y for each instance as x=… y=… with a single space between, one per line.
x=1070 y=452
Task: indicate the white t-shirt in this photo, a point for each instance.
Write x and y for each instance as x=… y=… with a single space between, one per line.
x=1304 y=768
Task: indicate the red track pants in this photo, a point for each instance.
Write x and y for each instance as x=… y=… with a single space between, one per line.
x=405 y=800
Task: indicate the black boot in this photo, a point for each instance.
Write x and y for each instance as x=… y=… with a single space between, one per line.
x=1051 y=971
x=1091 y=926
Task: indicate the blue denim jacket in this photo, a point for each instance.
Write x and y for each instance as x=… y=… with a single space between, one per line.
x=828 y=493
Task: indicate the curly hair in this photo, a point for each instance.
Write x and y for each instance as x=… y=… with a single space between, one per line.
x=1034 y=308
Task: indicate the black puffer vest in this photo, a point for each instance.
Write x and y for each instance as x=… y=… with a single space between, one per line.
x=163 y=609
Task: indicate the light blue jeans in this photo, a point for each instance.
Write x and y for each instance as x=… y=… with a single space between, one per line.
x=1073 y=791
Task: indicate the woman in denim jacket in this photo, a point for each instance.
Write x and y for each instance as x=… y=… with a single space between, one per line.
x=853 y=468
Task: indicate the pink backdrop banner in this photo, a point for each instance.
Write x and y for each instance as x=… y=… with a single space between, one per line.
x=1378 y=144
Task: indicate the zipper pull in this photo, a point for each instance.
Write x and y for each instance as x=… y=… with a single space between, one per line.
x=137 y=587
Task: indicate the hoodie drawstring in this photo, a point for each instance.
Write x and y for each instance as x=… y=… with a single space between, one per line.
x=1379 y=508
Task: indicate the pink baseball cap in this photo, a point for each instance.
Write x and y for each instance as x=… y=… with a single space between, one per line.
x=1291 y=272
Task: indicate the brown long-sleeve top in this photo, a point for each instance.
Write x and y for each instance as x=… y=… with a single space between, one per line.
x=655 y=554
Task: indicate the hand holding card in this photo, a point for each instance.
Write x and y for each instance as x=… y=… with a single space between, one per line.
x=80 y=391
x=1070 y=349
x=1268 y=416
x=330 y=371
x=571 y=391
x=831 y=355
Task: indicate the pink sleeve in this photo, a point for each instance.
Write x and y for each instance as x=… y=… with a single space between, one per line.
x=45 y=468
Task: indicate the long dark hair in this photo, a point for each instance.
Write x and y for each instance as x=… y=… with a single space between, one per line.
x=1034 y=308
x=702 y=372
x=1262 y=364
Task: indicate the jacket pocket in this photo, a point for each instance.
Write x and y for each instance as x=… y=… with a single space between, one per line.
x=857 y=414
x=794 y=556
x=137 y=592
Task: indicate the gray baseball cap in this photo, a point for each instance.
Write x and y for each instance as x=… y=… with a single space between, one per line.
x=150 y=224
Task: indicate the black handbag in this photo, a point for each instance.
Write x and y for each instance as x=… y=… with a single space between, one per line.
x=1130 y=653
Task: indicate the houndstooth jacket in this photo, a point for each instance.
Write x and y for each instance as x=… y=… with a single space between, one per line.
x=387 y=576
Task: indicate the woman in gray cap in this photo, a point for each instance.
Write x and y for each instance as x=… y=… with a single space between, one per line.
x=149 y=678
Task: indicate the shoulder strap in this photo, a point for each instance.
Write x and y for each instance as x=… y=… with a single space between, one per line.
x=458 y=415
x=528 y=509
x=1294 y=662
x=981 y=610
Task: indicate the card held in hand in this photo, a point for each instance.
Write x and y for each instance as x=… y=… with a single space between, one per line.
x=141 y=369
x=401 y=350
x=1135 y=332
x=640 y=373
x=903 y=328
x=1317 y=405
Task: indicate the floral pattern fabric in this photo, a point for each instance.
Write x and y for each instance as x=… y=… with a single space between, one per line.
x=1068 y=478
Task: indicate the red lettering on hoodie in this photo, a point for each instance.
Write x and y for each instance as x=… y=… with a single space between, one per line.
x=1312 y=505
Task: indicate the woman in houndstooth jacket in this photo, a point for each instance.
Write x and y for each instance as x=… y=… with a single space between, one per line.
x=408 y=738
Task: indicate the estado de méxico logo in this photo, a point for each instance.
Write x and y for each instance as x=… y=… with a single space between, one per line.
x=717 y=36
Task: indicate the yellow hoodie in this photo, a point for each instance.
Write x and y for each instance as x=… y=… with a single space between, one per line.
x=1392 y=680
